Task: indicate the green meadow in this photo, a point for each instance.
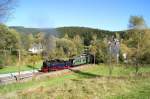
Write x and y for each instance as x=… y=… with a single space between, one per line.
x=90 y=83
x=11 y=69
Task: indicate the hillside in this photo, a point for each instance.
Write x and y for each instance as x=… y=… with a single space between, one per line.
x=25 y=30
x=83 y=32
x=71 y=31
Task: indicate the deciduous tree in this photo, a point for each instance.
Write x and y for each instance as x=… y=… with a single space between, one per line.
x=6 y=6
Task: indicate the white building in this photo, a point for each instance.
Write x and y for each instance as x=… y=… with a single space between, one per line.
x=36 y=49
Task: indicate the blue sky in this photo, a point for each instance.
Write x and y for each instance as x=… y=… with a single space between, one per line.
x=102 y=14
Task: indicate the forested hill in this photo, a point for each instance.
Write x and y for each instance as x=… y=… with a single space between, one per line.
x=61 y=31
x=25 y=30
x=82 y=31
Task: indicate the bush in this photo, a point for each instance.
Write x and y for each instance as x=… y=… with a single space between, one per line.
x=145 y=58
x=33 y=59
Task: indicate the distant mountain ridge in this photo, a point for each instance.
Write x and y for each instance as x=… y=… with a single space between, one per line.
x=25 y=30
x=61 y=31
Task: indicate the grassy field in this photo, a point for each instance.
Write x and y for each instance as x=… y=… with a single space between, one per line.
x=11 y=69
x=90 y=83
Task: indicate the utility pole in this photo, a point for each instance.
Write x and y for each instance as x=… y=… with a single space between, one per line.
x=19 y=59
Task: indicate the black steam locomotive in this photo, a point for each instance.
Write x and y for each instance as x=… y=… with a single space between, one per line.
x=54 y=65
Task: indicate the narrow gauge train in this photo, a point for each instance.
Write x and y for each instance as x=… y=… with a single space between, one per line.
x=53 y=65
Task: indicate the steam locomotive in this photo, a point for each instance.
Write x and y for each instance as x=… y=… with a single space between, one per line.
x=54 y=65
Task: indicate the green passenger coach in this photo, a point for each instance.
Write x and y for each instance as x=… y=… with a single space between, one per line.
x=83 y=59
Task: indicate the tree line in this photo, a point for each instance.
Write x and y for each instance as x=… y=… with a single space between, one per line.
x=71 y=42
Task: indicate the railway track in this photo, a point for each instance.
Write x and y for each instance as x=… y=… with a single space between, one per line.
x=15 y=77
x=27 y=75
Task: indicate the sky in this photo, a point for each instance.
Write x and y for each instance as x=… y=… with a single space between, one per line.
x=102 y=14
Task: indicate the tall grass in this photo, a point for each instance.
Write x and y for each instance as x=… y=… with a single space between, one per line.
x=90 y=83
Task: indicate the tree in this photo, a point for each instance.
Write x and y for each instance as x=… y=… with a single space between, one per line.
x=6 y=7
x=33 y=59
x=145 y=47
x=117 y=35
x=94 y=47
x=66 y=36
x=137 y=24
x=68 y=46
x=9 y=38
x=39 y=38
x=30 y=41
x=9 y=44
x=78 y=44
x=16 y=38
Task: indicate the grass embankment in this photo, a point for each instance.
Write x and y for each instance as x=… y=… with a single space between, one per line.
x=91 y=83
x=11 y=69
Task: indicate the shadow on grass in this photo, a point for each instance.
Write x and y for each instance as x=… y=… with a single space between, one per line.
x=84 y=74
x=30 y=66
x=90 y=75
